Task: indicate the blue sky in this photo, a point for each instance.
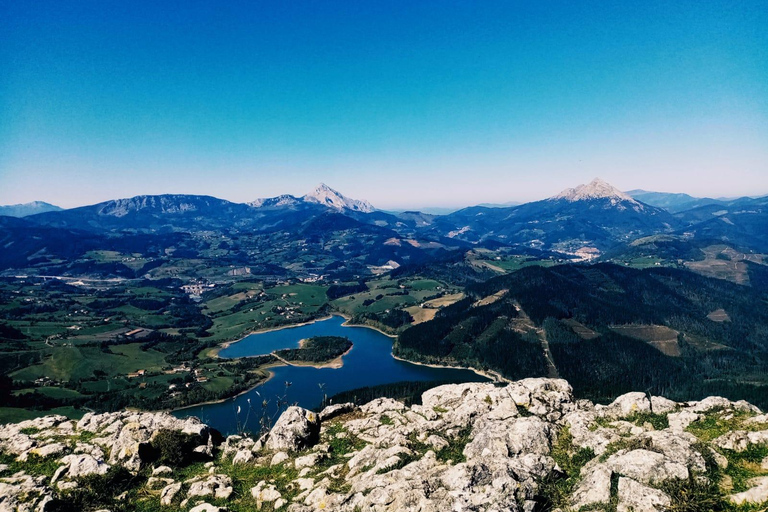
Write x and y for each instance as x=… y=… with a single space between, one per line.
x=405 y=104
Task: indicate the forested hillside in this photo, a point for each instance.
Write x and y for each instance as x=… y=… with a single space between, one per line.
x=608 y=329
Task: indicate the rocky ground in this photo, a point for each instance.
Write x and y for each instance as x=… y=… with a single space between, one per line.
x=526 y=446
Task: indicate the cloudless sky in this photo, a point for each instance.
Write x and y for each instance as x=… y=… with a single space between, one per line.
x=406 y=104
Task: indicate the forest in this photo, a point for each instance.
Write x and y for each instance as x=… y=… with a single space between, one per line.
x=587 y=314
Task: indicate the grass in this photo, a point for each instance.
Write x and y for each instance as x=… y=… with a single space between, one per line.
x=719 y=422
x=658 y=421
x=454 y=452
x=742 y=466
x=556 y=489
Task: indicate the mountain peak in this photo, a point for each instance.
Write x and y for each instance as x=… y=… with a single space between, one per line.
x=26 y=209
x=325 y=195
x=596 y=189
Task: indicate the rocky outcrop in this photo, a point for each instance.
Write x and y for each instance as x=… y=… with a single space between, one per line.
x=528 y=445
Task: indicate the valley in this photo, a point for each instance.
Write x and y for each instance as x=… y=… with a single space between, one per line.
x=135 y=302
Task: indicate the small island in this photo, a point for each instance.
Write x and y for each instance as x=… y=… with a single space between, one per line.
x=318 y=350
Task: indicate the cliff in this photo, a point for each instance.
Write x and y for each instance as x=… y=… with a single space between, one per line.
x=527 y=446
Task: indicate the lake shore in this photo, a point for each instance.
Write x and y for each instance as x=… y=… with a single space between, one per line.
x=221 y=346
x=488 y=374
x=335 y=363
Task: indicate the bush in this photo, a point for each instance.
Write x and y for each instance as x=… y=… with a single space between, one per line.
x=174 y=448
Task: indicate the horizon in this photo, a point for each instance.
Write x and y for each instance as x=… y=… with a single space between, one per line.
x=423 y=209
x=408 y=106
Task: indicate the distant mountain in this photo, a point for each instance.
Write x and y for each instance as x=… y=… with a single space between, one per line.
x=499 y=205
x=599 y=190
x=23 y=210
x=595 y=215
x=325 y=195
x=743 y=223
x=322 y=195
x=672 y=202
x=162 y=213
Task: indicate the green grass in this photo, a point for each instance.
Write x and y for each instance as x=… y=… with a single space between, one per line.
x=557 y=489
x=16 y=414
x=76 y=363
x=713 y=425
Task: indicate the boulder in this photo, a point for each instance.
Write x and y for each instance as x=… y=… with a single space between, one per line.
x=636 y=497
x=296 y=429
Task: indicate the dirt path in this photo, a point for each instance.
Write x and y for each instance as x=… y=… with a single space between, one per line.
x=523 y=323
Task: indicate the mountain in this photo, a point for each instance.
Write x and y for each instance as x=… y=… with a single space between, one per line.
x=673 y=203
x=593 y=216
x=170 y=212
x=608 y=329
x=322 y=195
x=599 y=190
x=23 y=210
x=325 y=195
x=741 y=223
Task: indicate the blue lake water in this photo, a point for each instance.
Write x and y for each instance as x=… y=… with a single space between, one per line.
x=368 y=363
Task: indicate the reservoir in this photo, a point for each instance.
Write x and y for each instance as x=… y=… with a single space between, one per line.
x=368 y=363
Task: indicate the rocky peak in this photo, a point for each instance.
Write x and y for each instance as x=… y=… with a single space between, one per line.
x=596 y=189
x=325 y=195
x=528 y=445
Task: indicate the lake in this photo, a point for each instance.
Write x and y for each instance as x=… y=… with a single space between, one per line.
x=368 y=363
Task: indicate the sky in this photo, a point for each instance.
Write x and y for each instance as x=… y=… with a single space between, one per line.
x=405 y=104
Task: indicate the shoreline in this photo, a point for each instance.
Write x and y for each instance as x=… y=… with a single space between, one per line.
x=225 y=344
x=493 y=376
x=270 y=374
x=347 y=319
x=335 y=363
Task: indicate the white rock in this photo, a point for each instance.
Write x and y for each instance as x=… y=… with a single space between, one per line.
x=758 y=493
x=636 y=497
x=279 y=458
x=169 y=492
x=206 y=507
x=296 y=429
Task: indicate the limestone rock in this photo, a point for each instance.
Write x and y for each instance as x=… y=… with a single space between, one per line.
x=756 y=494
x=636 y=497
x=296 y=429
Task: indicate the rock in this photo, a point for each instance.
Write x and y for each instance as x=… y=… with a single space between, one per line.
x=218 y=486
x=636 y=497
x=48 y=450
x=279 y=458
x=645 y=466
x=206 y=507
x=77 y=465
x=594 y=488
x=242 y=457
x=758 y=492
x=22 y=493
x=335 y=410
x=679 y=421
x=169 y=492
x=155 y=482
x=162 y=470
x=295 y=430
x=740 y=440
x=264 y=492
x=308 y=460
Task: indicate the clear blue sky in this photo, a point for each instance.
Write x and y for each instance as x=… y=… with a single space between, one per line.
x=405 y=104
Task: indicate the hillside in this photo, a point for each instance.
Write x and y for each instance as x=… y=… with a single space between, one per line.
x=608 y=330
x=525 y=446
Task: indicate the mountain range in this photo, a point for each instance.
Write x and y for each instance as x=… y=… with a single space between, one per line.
x=583 y=222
